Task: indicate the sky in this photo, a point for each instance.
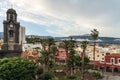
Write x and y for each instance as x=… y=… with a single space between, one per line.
x=65 y=17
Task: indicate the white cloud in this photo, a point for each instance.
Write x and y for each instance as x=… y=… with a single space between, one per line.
x=69 y=17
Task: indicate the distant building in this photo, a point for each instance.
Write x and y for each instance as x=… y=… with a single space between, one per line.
x=31 y=55
x=27 y=47
x=111 y=63
x=61 y=55
x=22 y=35
x=112 y=59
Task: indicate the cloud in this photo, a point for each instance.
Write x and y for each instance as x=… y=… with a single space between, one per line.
x=69 y=17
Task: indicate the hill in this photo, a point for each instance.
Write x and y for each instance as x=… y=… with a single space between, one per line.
x=109 y=40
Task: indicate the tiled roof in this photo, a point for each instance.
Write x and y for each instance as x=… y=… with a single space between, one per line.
x=32 y=55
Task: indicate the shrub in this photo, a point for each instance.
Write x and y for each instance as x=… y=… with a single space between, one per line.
x=72 y=77
x=39 y=70
x=55 y=78
x=65 y=78
x=97 y=75
x=47 y=76
x=17 y=69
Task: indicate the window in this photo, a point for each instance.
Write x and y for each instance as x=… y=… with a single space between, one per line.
x=11 y=17
x=11 y=32
x=102 y=54
x=97 y=55
x=102 y=58
x=118 y=60
x=112 y=60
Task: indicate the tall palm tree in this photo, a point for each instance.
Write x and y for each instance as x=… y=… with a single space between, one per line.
x=50 y=42
x=53 y=50
x=94 y=34
x=83 y=46
x=43 y=43
x=45 y=58
x=69 y=45
x=66 y=44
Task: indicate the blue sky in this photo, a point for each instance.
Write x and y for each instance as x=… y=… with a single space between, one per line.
x=65 y=17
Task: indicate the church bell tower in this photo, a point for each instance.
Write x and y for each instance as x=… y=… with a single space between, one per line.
x=11 y=31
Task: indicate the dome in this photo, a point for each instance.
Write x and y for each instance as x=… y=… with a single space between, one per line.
x=11 y=10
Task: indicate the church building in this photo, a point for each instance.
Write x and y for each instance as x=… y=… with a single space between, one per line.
x=13 y=35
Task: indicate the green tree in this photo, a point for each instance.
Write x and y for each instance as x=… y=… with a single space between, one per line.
x=77 y=60
x=44 y=44
x=37 y=49
x=45 y=58
x=86 y=60
x=71 y=60
x=83 y=46
x=30 y=40
x=94 y=34
x=65 y=45
x=53 y=50
x=17 y=69
x=69 y=45
x=50 y=42
x=48 y=76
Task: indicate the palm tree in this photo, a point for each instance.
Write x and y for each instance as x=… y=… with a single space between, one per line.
x=50 y=42
x=45 y=58
x=53 y=50
x=37 y=49
x=71 y=61
x=83 y=46
x=66 y=45
x=43 y=43
x=94 y=34
x=69 y=45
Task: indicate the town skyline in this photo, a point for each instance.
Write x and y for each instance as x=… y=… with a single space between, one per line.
x=64 y=18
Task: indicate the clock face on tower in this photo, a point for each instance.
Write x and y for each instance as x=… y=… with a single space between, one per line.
x=11 y=25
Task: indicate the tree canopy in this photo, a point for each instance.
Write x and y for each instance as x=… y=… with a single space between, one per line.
x=17 y=69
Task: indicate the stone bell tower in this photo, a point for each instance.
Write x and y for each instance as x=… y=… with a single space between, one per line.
x=11 y=33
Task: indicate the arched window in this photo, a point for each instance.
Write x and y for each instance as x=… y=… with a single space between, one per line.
x=11 y=32
x=11 y=17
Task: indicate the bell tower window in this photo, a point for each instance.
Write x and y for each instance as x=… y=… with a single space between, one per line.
x=11 y=33
x=11 y=17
